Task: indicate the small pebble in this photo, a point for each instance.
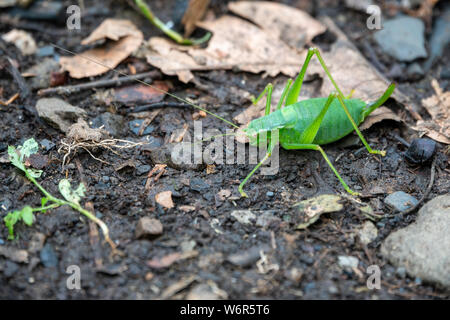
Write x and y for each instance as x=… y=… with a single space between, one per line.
x=348 y=262
x=140 y=170
x=148 y=227
x=48 y=256
x=270 y=194
x=400 y=201
x=47 y=144
x=420 y=151
x=45 y=51
x=401 y=272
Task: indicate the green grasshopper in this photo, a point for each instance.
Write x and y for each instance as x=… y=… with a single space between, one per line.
x=303 y=125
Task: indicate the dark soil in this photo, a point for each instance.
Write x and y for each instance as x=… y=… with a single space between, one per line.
x=120 y=200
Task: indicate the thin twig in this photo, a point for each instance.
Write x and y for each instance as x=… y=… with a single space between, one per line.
x=99 y=83
x=164 y=104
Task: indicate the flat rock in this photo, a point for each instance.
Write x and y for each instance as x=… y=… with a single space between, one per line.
x=248 y=257
x=367 y=233
x=348 y=262
x=148 y=228
x=114 y=124
x=422 y=248
x=244 y=216
x=59 y=113
x=400 y=201
x=402 y=38
x=48 y=256
x=206 y=291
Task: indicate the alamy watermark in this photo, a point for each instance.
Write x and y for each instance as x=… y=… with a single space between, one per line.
x=373 y=22
x=374 y=280
x=73 y=22
x=73 y=281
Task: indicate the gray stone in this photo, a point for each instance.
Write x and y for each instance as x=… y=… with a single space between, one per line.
x=135 y=127
x=422 y=248
x=439 y=39
x=248 y=257
x=367 y=233
x=348 y=262
x=10 y=269
x=244 y=216
x=400 y=201
x=415 y=71
x=141 y=169
x=401 y=272
x=206 y=291
x=59 y=113
x=265 y=218
x=48 y=256
x=42 y=73
x=199 y=185
x=47 y=144
x=114 y=124
x=402 y=38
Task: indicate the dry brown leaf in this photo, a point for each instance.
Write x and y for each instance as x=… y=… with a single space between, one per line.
x=350 y=70
x=127 y=39
x=165 y=199
x=193 y=14
x=293 y=26
x=22 y=40
x=438 y=107
x=236 y=44
x=379 y=115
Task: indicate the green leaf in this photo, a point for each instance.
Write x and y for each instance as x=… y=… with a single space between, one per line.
x=15 y=158
x=10 y=220
x=44 y=201
x=27 y=215
x=34 y=172
x=69 y=194
x=28 y=148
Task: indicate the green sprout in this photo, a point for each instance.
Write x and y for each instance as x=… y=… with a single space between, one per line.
x=147 y=12
x=72 y=196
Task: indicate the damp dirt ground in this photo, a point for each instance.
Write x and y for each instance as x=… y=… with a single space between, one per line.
x=304 y=263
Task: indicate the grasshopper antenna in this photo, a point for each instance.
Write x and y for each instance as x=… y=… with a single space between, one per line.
x=146 y=84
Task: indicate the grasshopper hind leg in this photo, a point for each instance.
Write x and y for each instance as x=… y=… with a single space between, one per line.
x=295 y=146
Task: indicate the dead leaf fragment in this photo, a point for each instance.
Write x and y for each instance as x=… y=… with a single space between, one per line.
x=235 y=44
x=140 y=93
x=438 y=107
x=165 y=199
x=193 y=14
x=293 y=26
x=379 y=115
x=177 y=286
x=128 y=38
x=168 y=260
x=22 y=40
x=309 y=211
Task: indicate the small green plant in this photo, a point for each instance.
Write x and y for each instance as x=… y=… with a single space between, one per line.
x=72 y=196
x=147 y=12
